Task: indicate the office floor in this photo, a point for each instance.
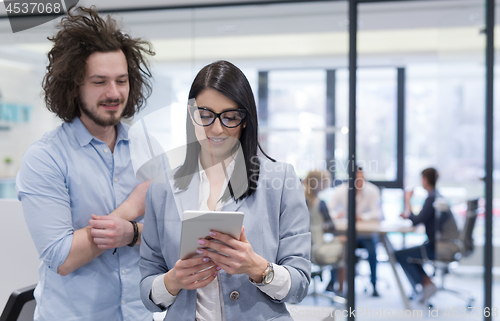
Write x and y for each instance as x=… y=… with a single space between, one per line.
x=390 y=306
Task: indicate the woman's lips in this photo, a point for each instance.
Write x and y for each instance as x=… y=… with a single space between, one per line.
x=217 y=141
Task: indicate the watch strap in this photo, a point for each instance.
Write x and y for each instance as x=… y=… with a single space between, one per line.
x=261 y=283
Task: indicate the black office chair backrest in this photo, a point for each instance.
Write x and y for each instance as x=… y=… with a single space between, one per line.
x=17 y=308
x=470 y=222
x=447 y=229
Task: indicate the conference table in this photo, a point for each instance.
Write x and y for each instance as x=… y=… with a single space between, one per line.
x=382 y=228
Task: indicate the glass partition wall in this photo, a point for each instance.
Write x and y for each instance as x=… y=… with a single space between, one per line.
x=440 y=45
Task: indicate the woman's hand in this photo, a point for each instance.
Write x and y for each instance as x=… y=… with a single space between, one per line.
x=240 y=259
x=190 y=274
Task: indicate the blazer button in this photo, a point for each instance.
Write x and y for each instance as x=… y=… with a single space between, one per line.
x=234 y=295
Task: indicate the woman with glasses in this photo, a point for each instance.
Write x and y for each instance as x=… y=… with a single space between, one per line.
x=252 y=277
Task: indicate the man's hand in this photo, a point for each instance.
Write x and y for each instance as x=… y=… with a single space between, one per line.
x=106 y=232
x=408 y=195
x=407 y=208
x=110 y=231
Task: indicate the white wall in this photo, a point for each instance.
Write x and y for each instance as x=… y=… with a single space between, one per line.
x=19 y=258
x=21 y=84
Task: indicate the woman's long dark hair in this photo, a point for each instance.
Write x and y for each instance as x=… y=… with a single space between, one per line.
x=230 y=81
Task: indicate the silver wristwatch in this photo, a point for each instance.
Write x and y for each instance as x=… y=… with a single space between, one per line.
x=267 y=276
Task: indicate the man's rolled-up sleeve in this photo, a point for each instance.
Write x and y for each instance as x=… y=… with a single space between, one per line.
x=41 y=188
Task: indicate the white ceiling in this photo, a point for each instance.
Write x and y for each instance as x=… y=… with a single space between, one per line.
x=402 y=14
x=127 y=4
x=315 y=29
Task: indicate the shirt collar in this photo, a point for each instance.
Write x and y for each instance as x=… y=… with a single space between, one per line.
x=201 y=171
x=122 y=132
x=82 y=134
x=84 y=137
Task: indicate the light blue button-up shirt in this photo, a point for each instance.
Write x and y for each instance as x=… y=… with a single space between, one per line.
x=64 y=178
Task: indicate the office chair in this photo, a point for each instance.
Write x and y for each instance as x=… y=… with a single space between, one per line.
x=20 y=306
x=317 y=272
x=325 y=254
x=463 y=245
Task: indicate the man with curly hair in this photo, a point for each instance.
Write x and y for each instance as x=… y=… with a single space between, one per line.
x=80 y=197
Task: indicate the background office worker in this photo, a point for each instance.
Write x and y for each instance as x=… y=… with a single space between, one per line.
x=323 y=253
x=427 y=216
x=269 y=264
x=77 y=185
x=367 y=209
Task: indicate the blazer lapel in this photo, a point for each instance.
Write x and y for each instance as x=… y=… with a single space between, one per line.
x=232 y=205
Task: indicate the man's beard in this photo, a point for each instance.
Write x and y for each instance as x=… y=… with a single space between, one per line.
x=98 y=119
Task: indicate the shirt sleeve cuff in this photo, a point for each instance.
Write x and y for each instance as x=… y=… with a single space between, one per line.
x=60 y=253
x=280 y=285
x=159 y=293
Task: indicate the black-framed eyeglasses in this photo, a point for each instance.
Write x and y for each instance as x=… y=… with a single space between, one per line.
x=229 y=118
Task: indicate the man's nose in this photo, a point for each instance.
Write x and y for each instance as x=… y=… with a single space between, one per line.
x=112 y=91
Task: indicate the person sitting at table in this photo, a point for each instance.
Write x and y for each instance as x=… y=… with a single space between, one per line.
x=367 y=209
x=323 y=253
x=413 y=270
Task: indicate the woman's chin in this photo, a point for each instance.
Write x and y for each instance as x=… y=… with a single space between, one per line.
x=218 y=154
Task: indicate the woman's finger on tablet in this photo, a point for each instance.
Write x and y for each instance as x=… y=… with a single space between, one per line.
x=222 y=248
x=227 y=268
x=216 y=257
x=202 y=279
x=187 y=263
x=229 y=240
x=198 y=268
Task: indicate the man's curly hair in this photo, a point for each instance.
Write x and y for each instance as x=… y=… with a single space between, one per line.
x=81 y=35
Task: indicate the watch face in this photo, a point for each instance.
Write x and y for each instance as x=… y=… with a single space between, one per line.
x=269 y=277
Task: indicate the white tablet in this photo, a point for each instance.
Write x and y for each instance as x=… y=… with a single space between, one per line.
x=198 y=224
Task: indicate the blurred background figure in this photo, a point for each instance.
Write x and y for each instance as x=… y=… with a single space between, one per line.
x=411 y=259
x=367 y=209
x=322 y=252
